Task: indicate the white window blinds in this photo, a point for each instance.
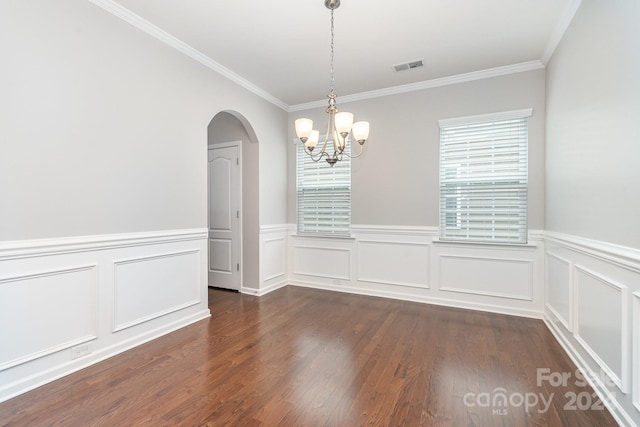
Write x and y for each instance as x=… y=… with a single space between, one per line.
x=323 y=195
x=483 y=178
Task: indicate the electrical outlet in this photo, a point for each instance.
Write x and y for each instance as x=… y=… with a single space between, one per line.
x=80 y=350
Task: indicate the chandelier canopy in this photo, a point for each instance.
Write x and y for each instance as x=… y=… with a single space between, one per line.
x=340 y=127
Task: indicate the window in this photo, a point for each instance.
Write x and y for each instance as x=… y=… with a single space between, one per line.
x=483 y=178
x=324 y=195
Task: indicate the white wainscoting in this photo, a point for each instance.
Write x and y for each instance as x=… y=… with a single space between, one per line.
x=516 y=282
x=409 y=263
x=393 y=263
x=492 y=277
x=41 y=295
x=68 y=303
x=601 y=323
x=136 y=279
x=273 y=259
x=591 y=307
x=559 y=288
x=336 y=261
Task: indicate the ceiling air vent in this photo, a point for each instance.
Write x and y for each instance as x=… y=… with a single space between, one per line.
x=409 y=65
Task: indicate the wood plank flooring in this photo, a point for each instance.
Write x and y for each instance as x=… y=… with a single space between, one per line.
x=305 y=357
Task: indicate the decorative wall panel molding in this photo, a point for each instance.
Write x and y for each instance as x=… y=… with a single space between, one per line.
x=325 y=262
x=559 y=288
x=604 y=394
x=41 y=295
x=274 y=250
x=604 y=306
x=274 y=259
x=80 y=300
x=393 y=263
x=601 y=325
x=495 y=277
x=137 y=296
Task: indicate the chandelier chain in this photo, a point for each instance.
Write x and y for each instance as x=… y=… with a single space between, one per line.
x=333 y=77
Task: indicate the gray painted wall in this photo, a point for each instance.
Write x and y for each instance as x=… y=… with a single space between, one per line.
x=103 y=129
x=593 y=126
x=396 y=181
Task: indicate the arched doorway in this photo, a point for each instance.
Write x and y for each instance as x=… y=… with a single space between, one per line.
x=226 y=129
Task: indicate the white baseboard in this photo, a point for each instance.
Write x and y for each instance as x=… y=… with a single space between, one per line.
x=263 y=291
x=421 y=299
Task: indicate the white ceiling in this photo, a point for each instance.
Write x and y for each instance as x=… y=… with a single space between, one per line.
x=283 y=47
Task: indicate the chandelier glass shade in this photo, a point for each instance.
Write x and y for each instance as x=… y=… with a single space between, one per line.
x=341 y=130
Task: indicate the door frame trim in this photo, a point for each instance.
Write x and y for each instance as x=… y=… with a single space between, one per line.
x=238 y=144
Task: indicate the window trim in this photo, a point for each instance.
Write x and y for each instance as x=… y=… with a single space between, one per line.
x=490 y=117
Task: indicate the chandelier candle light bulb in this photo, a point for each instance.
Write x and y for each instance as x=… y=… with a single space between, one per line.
x=360 y=131
x=304 y=128
x=312 y=141
x=344 y=121
x=340 y=125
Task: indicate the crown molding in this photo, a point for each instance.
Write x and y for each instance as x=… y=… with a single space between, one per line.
x=142 y=24
x=428 y=84
x=146 y=26
x=559 y=30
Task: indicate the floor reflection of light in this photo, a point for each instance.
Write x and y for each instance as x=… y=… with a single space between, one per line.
x=322 y=376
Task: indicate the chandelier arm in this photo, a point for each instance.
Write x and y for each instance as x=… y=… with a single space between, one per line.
x=316 y=158
x=357 y=155
x=324 y=146
x=320 y=154
x=354 y=157
x=344 y=142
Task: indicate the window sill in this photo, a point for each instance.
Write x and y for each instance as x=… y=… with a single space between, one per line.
x=323 y=236
x=487 y=245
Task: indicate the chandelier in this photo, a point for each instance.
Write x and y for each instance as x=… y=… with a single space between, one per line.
x=340 y=127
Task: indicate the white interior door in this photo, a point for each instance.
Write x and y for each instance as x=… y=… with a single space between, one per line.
x=224 y=217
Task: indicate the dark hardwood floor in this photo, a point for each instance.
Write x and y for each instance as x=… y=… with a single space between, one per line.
x=304 y=357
